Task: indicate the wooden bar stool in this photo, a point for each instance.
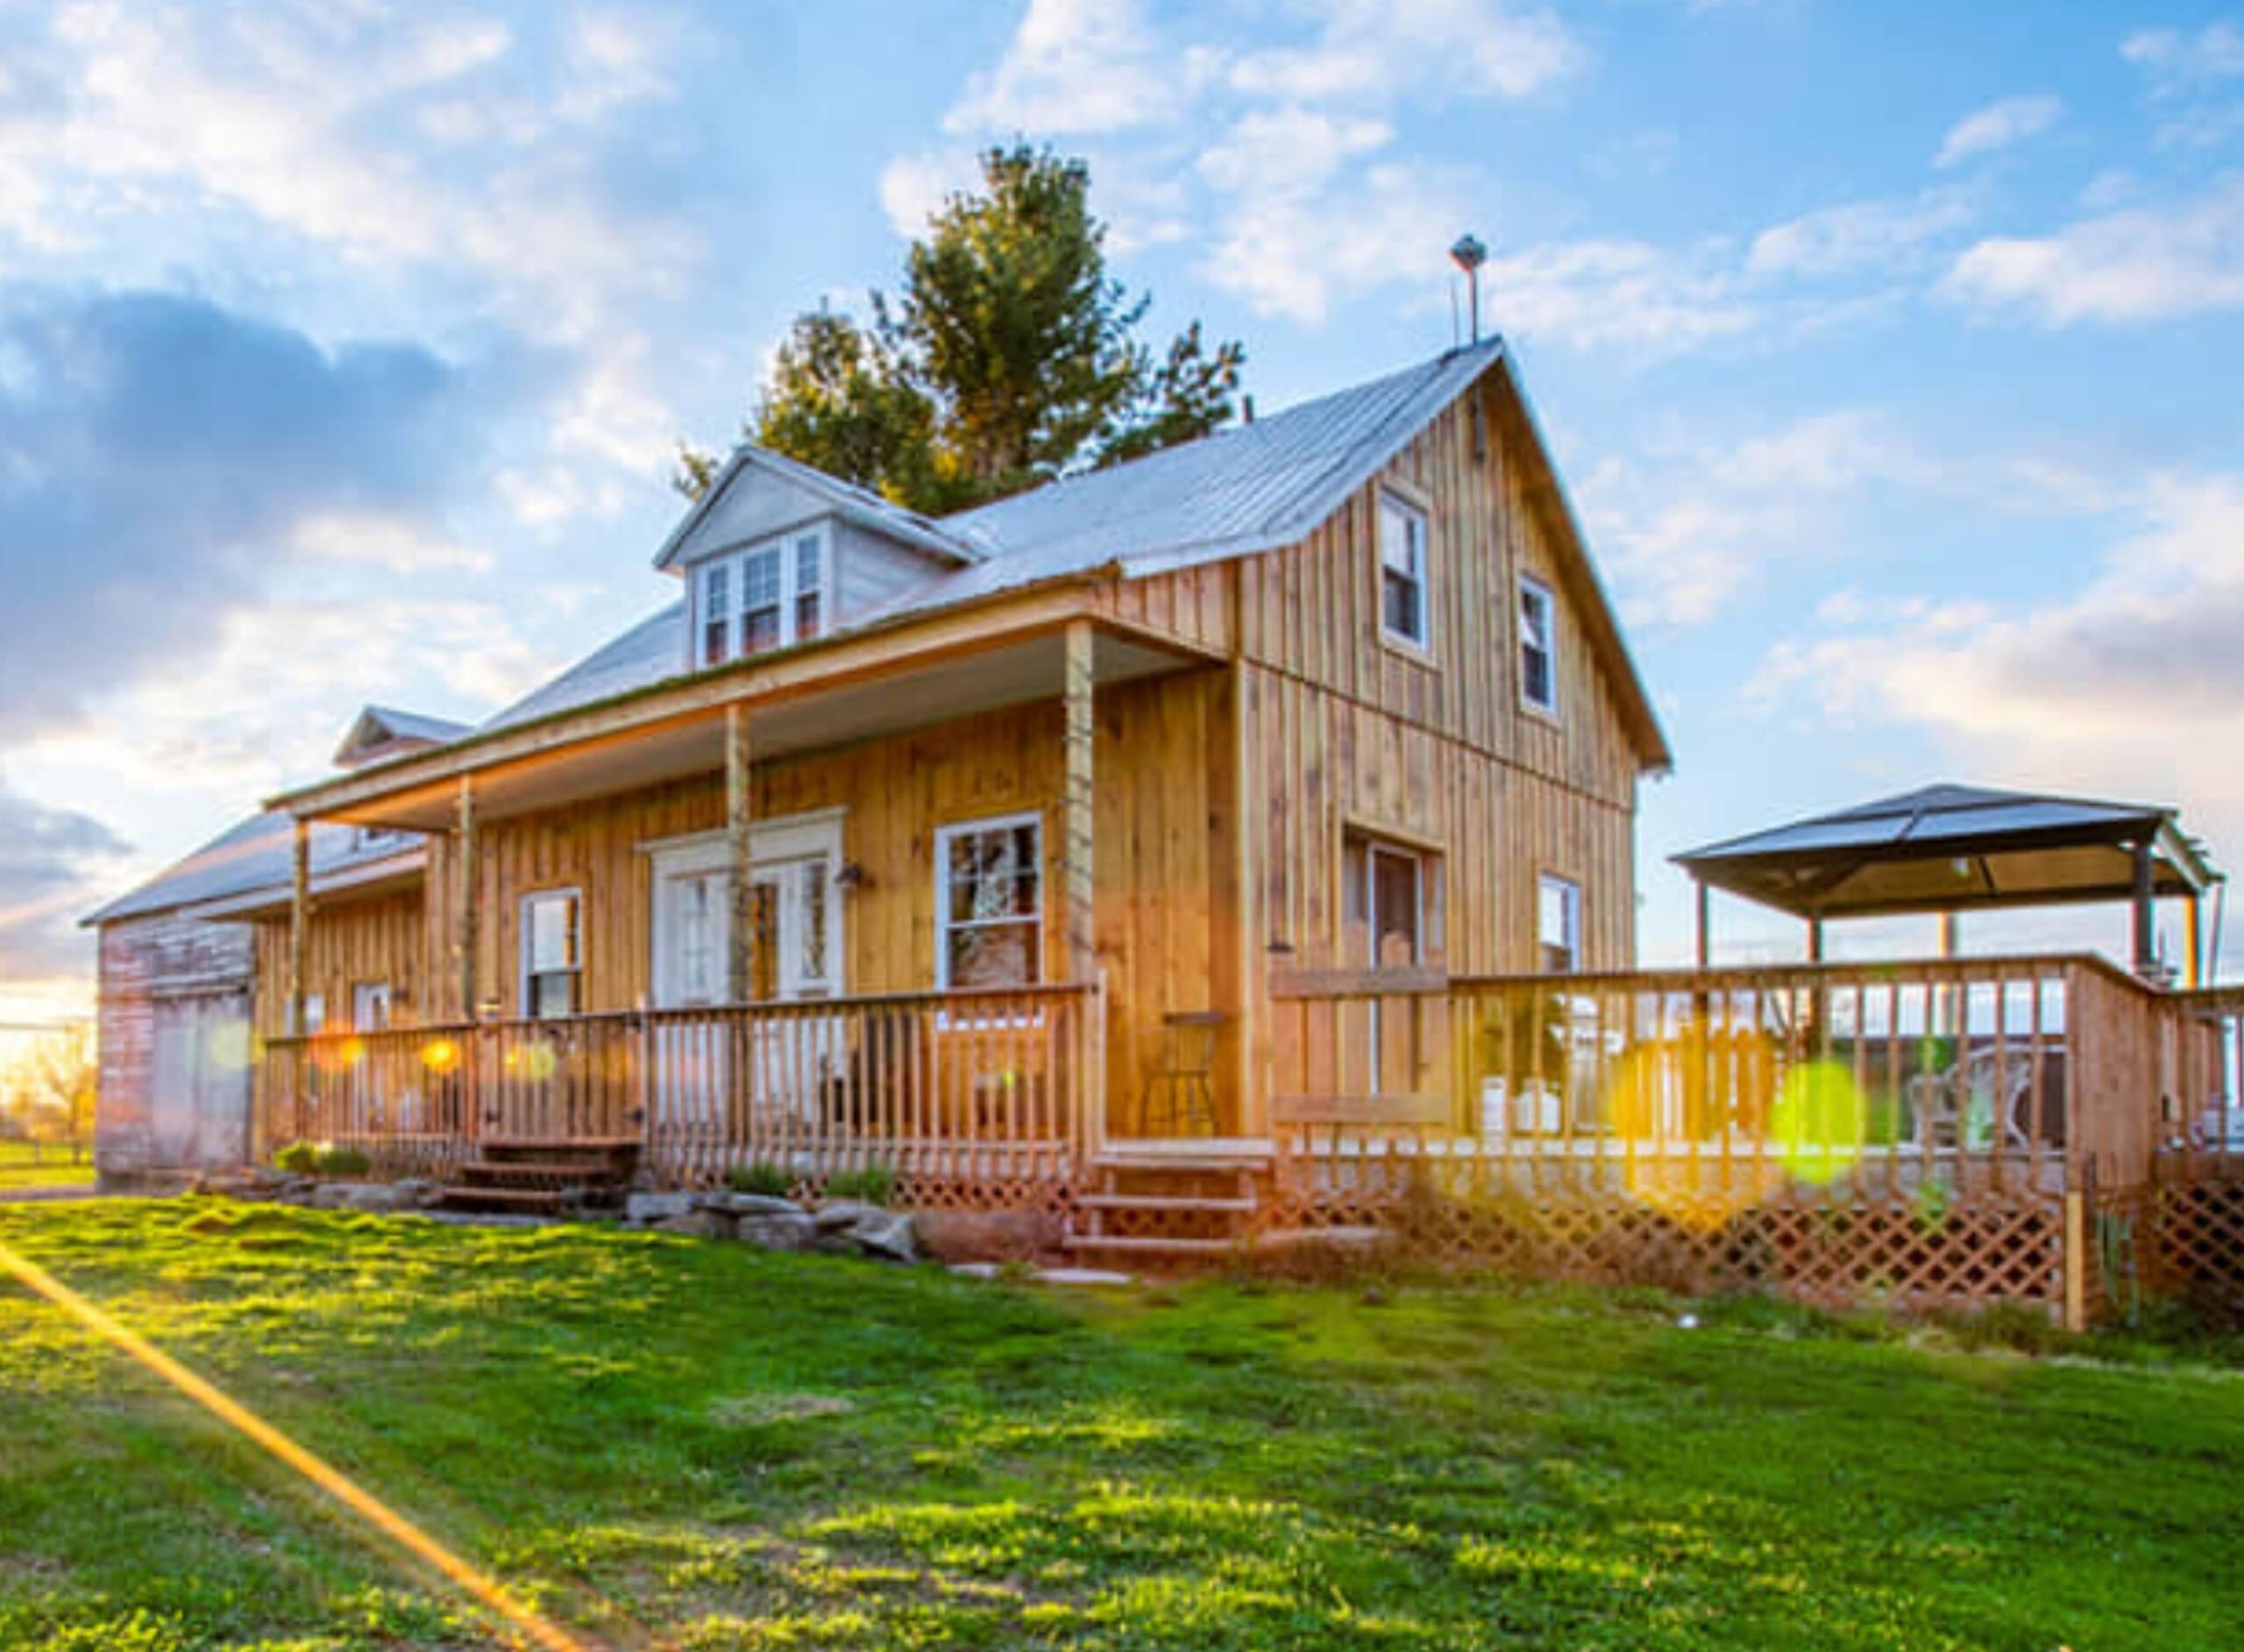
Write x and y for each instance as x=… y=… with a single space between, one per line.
x=1179 y=1095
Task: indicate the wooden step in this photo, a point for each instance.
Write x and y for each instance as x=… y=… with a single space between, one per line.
x=1165 y=1201
x=528 y=1200
x=1151 y=1245
x=509 y=1170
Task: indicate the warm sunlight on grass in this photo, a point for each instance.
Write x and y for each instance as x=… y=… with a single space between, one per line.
x=667 y=1443
x=43 y=1165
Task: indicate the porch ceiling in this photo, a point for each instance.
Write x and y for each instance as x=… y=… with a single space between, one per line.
x=1012 y=673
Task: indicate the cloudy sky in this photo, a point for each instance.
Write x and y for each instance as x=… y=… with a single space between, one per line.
x=1891 y=352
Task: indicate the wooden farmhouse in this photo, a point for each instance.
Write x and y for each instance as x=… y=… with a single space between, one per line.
x=1238 y=839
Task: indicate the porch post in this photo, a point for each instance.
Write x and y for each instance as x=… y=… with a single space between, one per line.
x=1706 y=915
x=740 y=957
x=1076 y=864
x=466 y=925
x=300 y=908
x=2193 y=936
x=2146 y=912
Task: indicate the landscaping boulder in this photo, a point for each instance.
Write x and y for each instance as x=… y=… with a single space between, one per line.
x=846 y=1213
x=749 y=1204
x=776 y=1231
x=885 y=1234
x=647 y=1209
x=698 y=1224
x=370 y=1198
x=987 y=1235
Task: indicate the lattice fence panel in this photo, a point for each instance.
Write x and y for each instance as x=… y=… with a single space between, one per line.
x=2196 y=1240
x=1834 y=1246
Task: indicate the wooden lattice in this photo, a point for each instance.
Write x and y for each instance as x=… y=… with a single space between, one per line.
x=1837 y=1246
x=2195 y=1243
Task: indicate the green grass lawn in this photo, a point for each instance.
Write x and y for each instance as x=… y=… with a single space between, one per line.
x=46 y=1165
x=671 y=1443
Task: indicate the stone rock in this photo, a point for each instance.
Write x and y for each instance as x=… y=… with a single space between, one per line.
x=749 y=1204
x=886 y=1234
x=987 y=1235
x=776 y=1231
x=846 y=1213
x=698 y=1224
x=1091 y=1276
x=369 y=1198
x=644 y=1208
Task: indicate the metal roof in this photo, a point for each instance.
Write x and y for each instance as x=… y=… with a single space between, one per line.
x=252 y=857
x=1950 y=847
x=1244 y=489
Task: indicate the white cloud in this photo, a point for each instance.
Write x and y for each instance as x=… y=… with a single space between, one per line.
x=2128 y=685
x=1080 y=66
x=1630 y=295
x=2175 y=61
x=1997 y=126
x=395 y=544
x=1378 y=48
x=2141 y=264
x=912 y=187
x=1859 y=235
x=1293 y=251
x=1283 y=150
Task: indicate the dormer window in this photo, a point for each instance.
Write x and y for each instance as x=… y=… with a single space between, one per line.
x=764 y=597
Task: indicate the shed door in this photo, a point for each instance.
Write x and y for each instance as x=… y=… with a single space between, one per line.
x=199 y=1100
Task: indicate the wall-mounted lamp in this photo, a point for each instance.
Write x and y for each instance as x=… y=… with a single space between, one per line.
x=852 y=876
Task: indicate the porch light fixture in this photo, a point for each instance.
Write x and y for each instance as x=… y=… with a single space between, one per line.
x=852 y=876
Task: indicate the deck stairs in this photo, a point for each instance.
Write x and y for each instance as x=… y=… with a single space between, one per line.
x=1169 y=1203
x=538 y=1175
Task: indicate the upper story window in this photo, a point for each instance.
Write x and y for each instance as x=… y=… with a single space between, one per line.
x=990 y=903
x=764 y=597
x=1558 y=925
x=1538 y=645
x=552 y=954
x=1402 y=610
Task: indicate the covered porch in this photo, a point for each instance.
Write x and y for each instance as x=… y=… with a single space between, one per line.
x=814 y=921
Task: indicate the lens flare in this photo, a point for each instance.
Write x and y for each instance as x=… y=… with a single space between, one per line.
x=482 y=1587
x=440 y=1055
x=1820 y=1121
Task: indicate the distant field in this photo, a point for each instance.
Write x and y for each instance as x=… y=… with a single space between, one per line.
x=42 y=1165
x=683 y=1447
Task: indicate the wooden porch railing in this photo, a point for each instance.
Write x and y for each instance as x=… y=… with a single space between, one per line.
x=2027 y=1070
x=962 y=1087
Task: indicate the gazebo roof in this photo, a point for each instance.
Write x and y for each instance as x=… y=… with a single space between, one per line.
x=1947 y=849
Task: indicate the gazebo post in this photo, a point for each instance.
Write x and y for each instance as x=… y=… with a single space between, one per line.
x=1706 y=930
x=2193 y=968
x=2146 y=912
x=1815 y=939
x=1948 y=932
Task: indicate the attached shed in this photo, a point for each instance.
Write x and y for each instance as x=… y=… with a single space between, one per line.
x=178 y=970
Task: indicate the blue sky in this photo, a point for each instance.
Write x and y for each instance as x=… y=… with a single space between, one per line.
x=1891 y=353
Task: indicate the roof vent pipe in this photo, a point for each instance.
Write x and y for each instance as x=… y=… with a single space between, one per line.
x=1468 y=254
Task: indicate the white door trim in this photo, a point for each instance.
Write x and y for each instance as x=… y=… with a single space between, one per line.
x=773 y=844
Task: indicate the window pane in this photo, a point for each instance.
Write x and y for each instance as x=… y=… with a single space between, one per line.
x=993 y=955
x=553 y=932
x=1537 y=679
x=1401 y=607
x=807 y=615
x=552 y=994
x=1558 y=923
x=716 y=619
x=807 y=563
x=813 y=958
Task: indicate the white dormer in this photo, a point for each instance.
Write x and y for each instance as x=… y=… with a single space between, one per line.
x=776 y=553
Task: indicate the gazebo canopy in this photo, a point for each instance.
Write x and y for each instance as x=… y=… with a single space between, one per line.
x=1949 y=849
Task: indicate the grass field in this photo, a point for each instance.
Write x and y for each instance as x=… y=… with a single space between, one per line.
x=670 y=1444
x=47 y=1165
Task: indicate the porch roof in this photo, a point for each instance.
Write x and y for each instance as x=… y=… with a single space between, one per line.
x=1947 y=849
x=631 y=730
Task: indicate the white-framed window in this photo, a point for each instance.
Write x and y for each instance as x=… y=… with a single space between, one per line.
x=763 y=596
x=315 y=1014
x=1403 y=614
x=370 y=1006
x=552 y=954
x=1557 y=923
x=990 y=903
x=1538 y=645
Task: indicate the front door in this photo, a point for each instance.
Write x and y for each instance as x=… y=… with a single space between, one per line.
x=712 y=1073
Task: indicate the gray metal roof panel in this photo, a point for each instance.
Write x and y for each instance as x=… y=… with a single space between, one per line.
x=647 y=653
x=250 y=856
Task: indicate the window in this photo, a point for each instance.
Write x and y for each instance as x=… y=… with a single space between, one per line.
x=716 y=616
x=1403 y=571
x=551 y=952
x=1538 y=646
x=765 y=597
x=990 y=903
x=315 y=1014
x=1558 y=925
x=370 y=1006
